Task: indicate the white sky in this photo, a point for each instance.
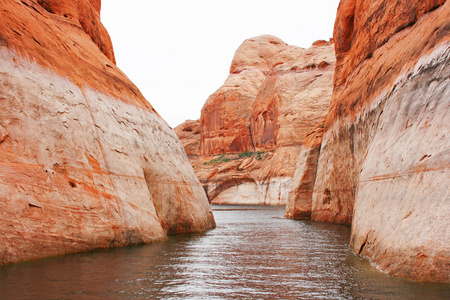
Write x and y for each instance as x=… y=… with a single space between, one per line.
x=178 y=52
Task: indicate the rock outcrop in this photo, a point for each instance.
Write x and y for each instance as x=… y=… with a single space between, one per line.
x=252 y=128
x=299 y=204
x=226 y=115
x=85 y=160
x=384 y=158
x=189 y=133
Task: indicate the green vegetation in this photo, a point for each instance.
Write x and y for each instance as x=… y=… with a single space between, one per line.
x=259 y=155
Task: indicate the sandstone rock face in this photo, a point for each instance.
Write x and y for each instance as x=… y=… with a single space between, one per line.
x=258 y=119
x=262 y=177
x=293 y=98
x=384 y=164
x=299 y=203
x=226 y=115
x=189 y=133
x=85 y=160
x=402 y=202
x=263 y=53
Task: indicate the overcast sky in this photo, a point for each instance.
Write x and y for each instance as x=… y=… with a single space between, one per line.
x=178 y=52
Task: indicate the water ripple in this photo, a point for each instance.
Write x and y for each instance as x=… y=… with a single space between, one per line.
x=254 y=253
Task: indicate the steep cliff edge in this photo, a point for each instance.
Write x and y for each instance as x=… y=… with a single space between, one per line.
x=85 y=160
x=384 y=159
x=252 y=128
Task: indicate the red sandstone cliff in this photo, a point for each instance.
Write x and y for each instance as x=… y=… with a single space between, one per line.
x=85 y=161
x=257 y=120
x=384 y=158
x=226 y=115
x=299 y=203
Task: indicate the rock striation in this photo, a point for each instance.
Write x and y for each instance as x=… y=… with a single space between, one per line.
x=384 y=161
x=252 y=127
x=85 y=161
x=299 y=203
x=189 y=133
x=226 y=115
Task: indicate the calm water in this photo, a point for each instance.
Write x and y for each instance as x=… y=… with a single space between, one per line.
x=254 y=253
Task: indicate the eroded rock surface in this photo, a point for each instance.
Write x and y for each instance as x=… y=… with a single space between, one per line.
x=384 y=162
x=226 y=115
x=85 y=160
x=189 y=132
x=253 y=126
x=299 y=203
x=292 y=99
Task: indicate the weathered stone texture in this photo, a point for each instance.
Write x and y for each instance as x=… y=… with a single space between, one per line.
x=274 y=95
x=384 y=164
x=82 y=153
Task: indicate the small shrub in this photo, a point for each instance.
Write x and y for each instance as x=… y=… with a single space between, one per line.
x=259 y=155
x=246 y=154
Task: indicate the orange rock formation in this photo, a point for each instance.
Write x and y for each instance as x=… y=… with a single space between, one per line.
x=189 y=133
x=384 y=163
x=299 y=204
x=226 y=114
x=85 y=162
x=274 y=95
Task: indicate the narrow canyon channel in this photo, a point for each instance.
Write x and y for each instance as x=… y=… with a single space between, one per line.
x=254 y=253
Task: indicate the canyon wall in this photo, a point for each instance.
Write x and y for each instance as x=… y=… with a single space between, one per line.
x=226 y=115
x=251 y=129
x=384 y=158
x=85 y=161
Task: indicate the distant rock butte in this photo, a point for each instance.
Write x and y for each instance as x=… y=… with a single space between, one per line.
x=189 y=133
x=85 y=161
x=254 y=125
x=384 y=157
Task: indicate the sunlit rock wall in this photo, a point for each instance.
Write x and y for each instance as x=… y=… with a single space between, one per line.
x=274 y=95
x=85 y=160
x=384 y=161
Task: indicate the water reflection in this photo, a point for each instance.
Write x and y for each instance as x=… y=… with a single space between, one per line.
x=252 y=254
